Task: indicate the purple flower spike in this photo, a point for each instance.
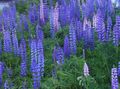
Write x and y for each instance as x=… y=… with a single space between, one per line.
x=24 y=22
x=88 y=35
x=15 y=42
x=100 y=25
x=36 y=75
x=0 y=46
x=86 y=70
x=60 y=56
x=115 y=36
x=6 y=85
x=40 y=54
x=33 y=13
x=109 y=28
x=118 y=68
x=23 y=55
x=114 y=79
x=56 y=18
x=72 y=38
x=52 y=31
x=79 y=30
x=39 y=32
x=66 y=47
x=1 y=72
x=118 y=25
x=42 y=17
x=7 y=41
x=33 y=51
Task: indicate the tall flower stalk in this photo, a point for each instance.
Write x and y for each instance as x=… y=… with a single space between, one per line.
x=72 y=38
x=23 y=55
x=114 y=79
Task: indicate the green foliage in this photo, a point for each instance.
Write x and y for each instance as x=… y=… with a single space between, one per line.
x=22 y=7
x=60 y=35
x=100 y=61
x=46 y=30
x=87 y=82
x=66 y=75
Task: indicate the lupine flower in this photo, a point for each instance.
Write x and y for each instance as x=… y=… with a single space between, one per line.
x=36 y=75
x=62 y=14
x=56 y=18
x=103 y=6
x=1 y=72
x=110 y=8
x=91 y=38
x=68 y=19
x=42 y=17
x=15 y=42
x=66 y=47
x=118 y=24
x=0 y=46
x=118 y=68
x=77 y=10
x=39 y=32
x=52 y=31
x=72 y=38
x=7 y=41
x=1 y=23
x=23 y=69
x=88 y=35
x=19 y=26
x=6 y=85
x=23 y=55
x=95 y=21
x=12 y=12
x=61 y=2
x=40 y=54
x=83 y=10
x=33 y=13
x=85 y=22
x=51 y=3
x=46 y=11
x=103 y=32
x=79 y=30
x=109 y=28
x=6 y=18
x=33 y=51
x=88 y=8
x=85 y=37
x=37 y=54
x=86 y=70
x=59 y=56
x=115 y=36
x=114 y=79
x=100 y=25
x=72 y=9
x=24 y=22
